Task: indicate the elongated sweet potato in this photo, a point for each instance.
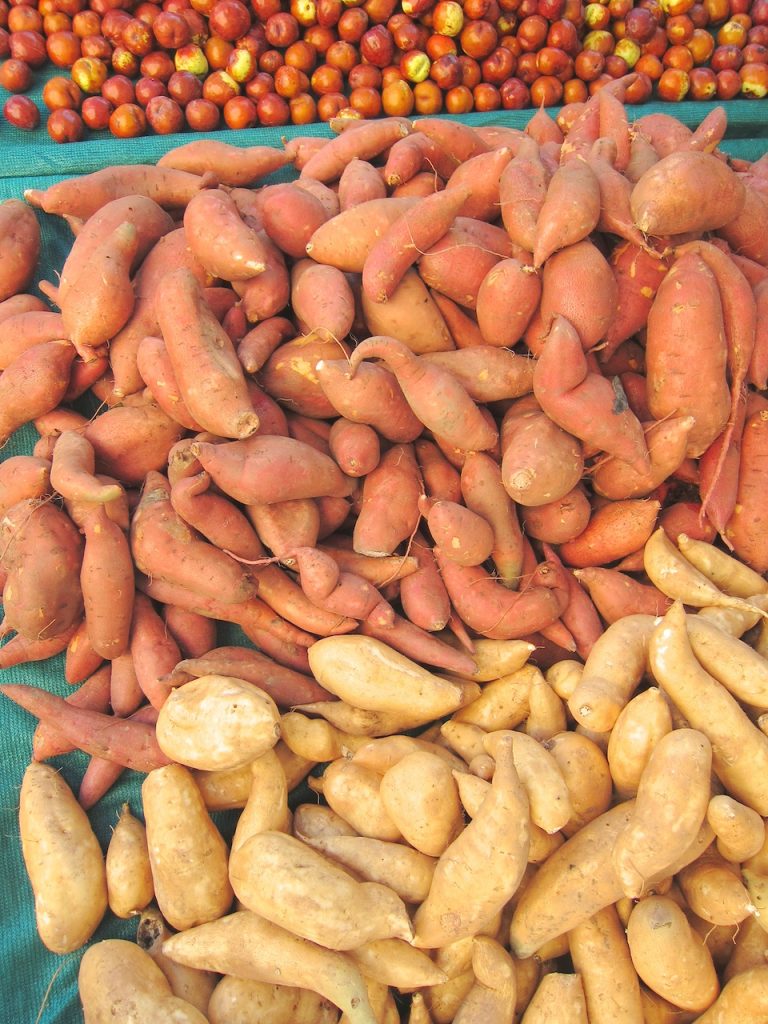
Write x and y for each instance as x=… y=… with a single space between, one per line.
x=34 y=384
x=371 y=395
x=231 y=165
x=345 y=240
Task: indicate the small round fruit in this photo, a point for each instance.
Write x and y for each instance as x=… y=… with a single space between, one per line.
x=21 y=112
x=65 y=126
x=128 y=121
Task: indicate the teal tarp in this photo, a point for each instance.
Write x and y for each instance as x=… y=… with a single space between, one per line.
x=40 y=987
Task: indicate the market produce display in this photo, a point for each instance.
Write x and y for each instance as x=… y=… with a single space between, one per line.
x=140 y=66
x=409 y=514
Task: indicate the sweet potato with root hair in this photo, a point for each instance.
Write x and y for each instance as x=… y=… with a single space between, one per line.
x=584 y=403
x=83 y=196
x=686 y=191
x=494 y=611
x=389 y=511
x=41 y=553
x=34 y=384
x=19 y=247
x=322 y=300
x=164 y=547
x=209 y=374
x=231 y=165
x=345 y=240
x=291 y=375
x=531 y=472
x=415 y=154
x=343 y=592
x=106 y=580
x=614 y=530
x=272 y=634
x=570 y=211
x=131 y=440
x=411 y=315
x=23 y=477
x=172 y=252
x=371 y=395
x=23 y=330
x=269 y=468
x=435 y=395
x=401 y=245
x=617 y=595
x=577 y=284
x=360 y=182
x=688 y=300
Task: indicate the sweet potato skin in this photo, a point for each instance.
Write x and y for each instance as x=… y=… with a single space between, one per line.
x=19 y=247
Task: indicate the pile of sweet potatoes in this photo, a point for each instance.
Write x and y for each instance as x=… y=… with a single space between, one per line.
x=441 y=389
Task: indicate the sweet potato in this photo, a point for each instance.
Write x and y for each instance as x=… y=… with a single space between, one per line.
x=657 y=926
x=63 y=860
x=322 y=300
x=506 y=301
x=614 y=531
x=437 y=398
x=708 y=707
x=72 y=470
x=355 y=447
x=667 y=442
x=19 y=247
x=673 y=793
x=462 y=535
x=210 y=376
x=42 y=554
x=360 y=182
x=34 y=384
x=83 y=196
x=106 y=580
x=501 y=830
x=247 y=946
x=230 y=164
x=481 y=173
x=482 y=490
x=686 y=191
x=154 y=365
x=290 y=375
x=271 y=468
x=291 y=215
x=529 y=476
x=23 y=330
x=245 y=717
x=616 y=594
x=394 y=485
x=570 y=211
x=743 y=530
x=583 y=403
x=329 y=162
x=225 y=245
x=411 y=315
x=410 y=235
x=266 y=294
x=458 y=263
x=522 y=187
x=23 y=477
x=164 y=547
x=344 y=241
x=371 y=395
x=172 y=252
